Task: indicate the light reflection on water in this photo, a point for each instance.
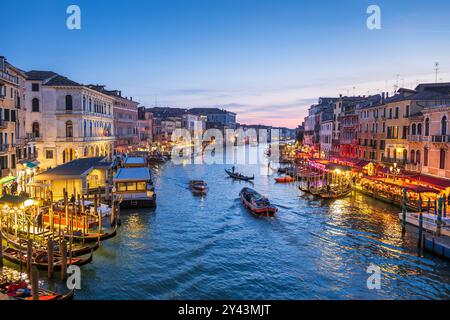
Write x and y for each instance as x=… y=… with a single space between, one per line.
x=210 y=247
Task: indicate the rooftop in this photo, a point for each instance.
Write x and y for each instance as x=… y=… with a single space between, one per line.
x=132 y=174
x=74 y=169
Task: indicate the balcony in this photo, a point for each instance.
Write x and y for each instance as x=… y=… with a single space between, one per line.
x=9 y=78
x=4 y=148
x=3 y=124
x=392 y=161
x=440 y=139
x=415 y=138
x=84 y=139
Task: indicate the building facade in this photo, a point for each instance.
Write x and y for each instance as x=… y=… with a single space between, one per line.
x=145 y=127
x=67 y=120
x=12 y=118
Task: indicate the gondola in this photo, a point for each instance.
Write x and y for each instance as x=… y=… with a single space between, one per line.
x=91 y=237
x=20 y=290
x=256 y=203
x=40 y=259
x=335 y=195
x=76 y=252
x=239 y=176
x=198 y=186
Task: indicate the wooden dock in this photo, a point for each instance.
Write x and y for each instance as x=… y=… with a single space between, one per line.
x=440 y=246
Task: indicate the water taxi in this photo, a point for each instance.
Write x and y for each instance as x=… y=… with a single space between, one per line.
x=135 y=187
x=198 y=186
x=257 y=203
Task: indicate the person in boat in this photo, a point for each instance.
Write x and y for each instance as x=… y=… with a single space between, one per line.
x=232 y=169
x=72 y=198
x=328 y=188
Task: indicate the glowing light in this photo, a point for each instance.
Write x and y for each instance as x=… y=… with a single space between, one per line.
x=28 y=202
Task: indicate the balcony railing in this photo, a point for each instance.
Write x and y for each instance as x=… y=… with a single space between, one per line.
x=4 y=147
x=7 y=77
x=441 y=139
x=415 y=138
x=3 y=124
x=392 y=161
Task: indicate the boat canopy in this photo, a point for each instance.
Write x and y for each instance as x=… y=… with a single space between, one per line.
x=135 y=161
x=132 y=174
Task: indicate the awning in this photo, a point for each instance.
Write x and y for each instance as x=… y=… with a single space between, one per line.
x=362 y=163
x=432 y=181
x=16 y=200
x=30 y=164
x=7 y=180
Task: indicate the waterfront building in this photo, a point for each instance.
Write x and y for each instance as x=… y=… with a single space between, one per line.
x=78 y=177
x=145 y=127
x=67 y=120
x=371 y=141
x=326 y=134
x=125 y=112
x=192 y=122
x=311 y=136
x=348 y=120
x=429 y=142
x=216 y=118
x=396 y=113
x=13 y=142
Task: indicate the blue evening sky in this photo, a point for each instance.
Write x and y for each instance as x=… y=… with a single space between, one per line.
x=267 y=60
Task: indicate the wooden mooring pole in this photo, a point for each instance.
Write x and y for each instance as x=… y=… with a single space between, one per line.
x=35 y=283
x=420 y=230
x=63 y=252
x=50 y=257
x=1 y=248
x=404 y=211
x=29 y=257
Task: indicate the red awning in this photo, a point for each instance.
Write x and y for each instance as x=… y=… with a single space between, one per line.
x=432 y=181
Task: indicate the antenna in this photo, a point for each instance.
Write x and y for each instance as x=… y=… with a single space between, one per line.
x=436 y=68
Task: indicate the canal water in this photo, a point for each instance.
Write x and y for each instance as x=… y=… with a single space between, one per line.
x=210 y=247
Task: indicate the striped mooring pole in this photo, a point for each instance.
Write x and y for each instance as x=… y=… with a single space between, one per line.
x=428 y=206
x=439 y=218
x=404 y=211
x=420 y=204
x=420 y=230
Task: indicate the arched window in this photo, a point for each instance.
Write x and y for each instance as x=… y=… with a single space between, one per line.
x=412 y=156
x=442 y=159
x=444 y=126
x=419 y=129
x=69 y=129
x=35 y=105
x=35 y=129
x=413 y=129
x=427 y=127
x=418 y=156
x=425 y=156
x=84 y=103
x=69 y=102
x=90 y=129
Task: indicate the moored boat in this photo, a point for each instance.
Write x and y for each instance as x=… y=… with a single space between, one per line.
x=21 y=290
x=91 y=237
x=40 y=259
x=135 y=187
x=285 y=179
x=77 y=251
x=257 y=203
x=239 y=176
